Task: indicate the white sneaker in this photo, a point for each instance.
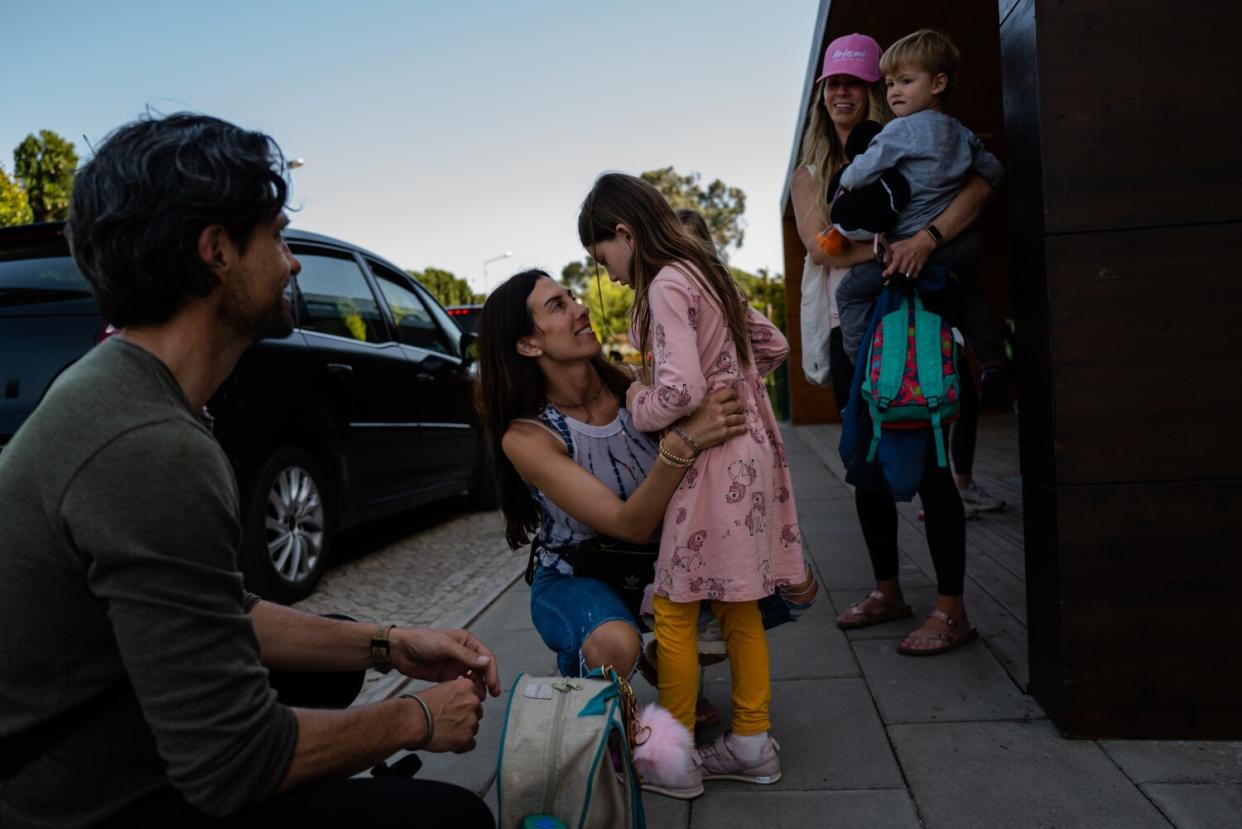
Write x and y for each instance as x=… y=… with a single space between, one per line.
x=979 y=498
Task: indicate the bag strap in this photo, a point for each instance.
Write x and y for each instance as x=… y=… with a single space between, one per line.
x=927 y=327
x=893 y=355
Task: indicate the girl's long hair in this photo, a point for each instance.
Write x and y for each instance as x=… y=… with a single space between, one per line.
x=822 y=149
x=660 y=241
x=509 y=386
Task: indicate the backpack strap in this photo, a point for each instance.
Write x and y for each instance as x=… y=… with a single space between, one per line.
x=892 y=369
x=931 y=375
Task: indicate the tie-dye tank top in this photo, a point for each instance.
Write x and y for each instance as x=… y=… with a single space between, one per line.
x=615 y=453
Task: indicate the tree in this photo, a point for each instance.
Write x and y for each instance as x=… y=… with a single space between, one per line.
x=765 y=292
x=446 y=287
x=610 y=320
x=720 y=205
x=45 y=167
x=14 y=208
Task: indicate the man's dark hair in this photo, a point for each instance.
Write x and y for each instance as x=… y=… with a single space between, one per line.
x=139 y=206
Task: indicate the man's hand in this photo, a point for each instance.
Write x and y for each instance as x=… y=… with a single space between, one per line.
x=444 y=655
x=456 y=709
x=908 y=256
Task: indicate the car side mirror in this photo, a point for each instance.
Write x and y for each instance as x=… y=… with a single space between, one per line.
x=469 y=347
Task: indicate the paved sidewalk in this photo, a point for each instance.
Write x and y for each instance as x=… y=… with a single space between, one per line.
x=871 y=738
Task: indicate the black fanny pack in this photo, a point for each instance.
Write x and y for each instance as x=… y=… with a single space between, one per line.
x=622 y=565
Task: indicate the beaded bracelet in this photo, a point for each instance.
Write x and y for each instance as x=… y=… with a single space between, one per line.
x=691 y=442
x=674 y=460
x=431 y=724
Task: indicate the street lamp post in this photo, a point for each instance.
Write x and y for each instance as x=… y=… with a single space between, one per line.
x=486 y=262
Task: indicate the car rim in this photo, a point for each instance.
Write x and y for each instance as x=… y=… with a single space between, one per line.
x=294 y=524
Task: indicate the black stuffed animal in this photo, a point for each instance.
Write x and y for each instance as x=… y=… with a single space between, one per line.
x=872 y=208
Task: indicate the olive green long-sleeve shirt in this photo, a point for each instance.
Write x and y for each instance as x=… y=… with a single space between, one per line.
x=118 y=535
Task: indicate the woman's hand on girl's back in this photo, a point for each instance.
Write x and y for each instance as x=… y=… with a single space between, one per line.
x=718 y=418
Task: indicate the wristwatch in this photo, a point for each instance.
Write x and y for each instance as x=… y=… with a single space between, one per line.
x=381 y=656
x=934 y=232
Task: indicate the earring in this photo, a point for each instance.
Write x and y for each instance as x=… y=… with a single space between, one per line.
x=539 y=352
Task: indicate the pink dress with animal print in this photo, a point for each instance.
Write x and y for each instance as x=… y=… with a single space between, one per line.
x=731 y=530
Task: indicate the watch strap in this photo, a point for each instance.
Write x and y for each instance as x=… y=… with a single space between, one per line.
x=934 y=232
x=381 y=654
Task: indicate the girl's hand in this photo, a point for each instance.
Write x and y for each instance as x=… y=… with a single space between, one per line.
x=636 y=388
x=718 y=418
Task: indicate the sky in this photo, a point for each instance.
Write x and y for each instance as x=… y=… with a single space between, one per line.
x=439 y=134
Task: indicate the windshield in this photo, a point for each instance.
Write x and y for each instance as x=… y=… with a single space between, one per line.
x=26 y=281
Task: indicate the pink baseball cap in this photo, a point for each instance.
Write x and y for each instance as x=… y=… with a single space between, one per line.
x=856 y=55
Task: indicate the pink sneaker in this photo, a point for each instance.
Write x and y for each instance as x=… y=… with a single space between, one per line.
x=720 y=762
x=666 y=758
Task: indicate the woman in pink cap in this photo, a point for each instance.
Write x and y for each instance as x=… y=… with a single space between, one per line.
x=850 y=90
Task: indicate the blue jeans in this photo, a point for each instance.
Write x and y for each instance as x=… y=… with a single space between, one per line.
x=567 y=609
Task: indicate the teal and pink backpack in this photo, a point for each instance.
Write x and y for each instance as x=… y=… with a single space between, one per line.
x=911 y=380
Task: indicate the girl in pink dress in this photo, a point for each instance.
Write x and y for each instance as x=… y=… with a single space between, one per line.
x=730 y=533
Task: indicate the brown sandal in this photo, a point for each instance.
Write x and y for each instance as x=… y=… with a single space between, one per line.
x=856 y=617
x=949 y=640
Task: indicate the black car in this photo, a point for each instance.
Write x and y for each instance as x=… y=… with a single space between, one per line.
x=363 y=411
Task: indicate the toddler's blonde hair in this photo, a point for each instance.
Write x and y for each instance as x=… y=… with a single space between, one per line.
x=926 y=49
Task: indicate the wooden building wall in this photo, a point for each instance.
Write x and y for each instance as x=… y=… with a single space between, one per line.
x=1125 y=200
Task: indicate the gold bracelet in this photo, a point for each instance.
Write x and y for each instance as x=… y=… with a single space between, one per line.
x=691 y=442
x=664 y=459
x=673 y=460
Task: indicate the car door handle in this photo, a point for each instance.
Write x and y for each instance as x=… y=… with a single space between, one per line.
x=425 y=377
x=340 y=369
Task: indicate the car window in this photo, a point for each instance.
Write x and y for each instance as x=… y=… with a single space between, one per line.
x=25 y=281
x=451 y=329
x=415 y=325
x=336 y=299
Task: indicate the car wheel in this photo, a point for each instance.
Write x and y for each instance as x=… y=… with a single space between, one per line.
x=482 y=492
x=286 y=529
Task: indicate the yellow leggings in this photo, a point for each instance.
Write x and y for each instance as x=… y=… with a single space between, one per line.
x=677 y=631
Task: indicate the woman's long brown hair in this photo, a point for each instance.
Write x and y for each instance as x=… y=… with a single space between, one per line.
x=509 y=386
x=659 y=241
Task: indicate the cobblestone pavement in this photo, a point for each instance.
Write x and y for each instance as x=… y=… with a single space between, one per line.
x=436 y=566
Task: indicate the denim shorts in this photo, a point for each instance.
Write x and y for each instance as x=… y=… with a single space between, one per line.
x=567 y=609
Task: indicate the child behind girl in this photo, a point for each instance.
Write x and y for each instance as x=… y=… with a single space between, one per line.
x=730 y=533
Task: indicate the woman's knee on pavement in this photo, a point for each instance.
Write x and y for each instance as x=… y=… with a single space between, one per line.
x=614 y=643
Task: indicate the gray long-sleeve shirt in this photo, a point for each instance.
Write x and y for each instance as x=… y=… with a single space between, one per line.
x=118 y=535
x=934 y=152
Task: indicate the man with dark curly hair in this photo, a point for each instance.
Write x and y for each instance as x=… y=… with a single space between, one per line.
x=135 y=687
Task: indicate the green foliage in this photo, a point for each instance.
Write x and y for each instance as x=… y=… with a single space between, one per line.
x=14 y=209
x=611 y=320
x=720 y=205
x=45 y=167
x=446 y=287
x=765 y=291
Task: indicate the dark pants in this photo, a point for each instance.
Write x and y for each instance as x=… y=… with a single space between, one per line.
x=338 y=802
x=944 y=518
x=348 y=802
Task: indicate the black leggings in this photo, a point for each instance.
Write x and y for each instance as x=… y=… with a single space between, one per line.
x=944 y=519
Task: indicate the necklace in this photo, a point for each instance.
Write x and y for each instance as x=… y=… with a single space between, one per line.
x=585 y=401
